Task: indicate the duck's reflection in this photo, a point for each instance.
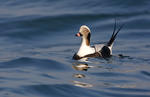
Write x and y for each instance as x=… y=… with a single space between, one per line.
x=79 y=75
x=81 y=84
x=83 y=66
x=80 y=66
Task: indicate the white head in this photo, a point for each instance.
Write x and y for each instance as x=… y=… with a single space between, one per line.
x=84 y=29
x=85 y=33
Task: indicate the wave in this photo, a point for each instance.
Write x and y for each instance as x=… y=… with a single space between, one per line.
x=39 y=64
x=33 y=26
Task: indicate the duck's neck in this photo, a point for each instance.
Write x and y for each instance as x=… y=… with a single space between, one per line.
x=85 y=42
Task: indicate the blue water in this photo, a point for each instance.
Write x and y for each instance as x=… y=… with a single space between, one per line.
x=37 y=43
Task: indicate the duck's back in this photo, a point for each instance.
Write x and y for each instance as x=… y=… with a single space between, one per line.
x=98 y=47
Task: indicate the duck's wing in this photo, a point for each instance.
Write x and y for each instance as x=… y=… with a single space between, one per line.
x=98 y=47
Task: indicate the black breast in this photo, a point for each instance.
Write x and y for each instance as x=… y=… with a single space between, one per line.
x=96 y=54
x=105 y=52
x=76 y=57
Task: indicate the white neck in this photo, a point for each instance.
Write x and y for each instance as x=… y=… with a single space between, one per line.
x=83 y=43
x=85 y=49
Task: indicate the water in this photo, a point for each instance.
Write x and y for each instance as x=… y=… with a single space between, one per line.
x=37 y=43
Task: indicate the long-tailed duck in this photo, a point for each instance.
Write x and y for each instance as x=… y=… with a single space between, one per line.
x=98 y=50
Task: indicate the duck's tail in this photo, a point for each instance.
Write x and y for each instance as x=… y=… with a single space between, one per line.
x=113 y=37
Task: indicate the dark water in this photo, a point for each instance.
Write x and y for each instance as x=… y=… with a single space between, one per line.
x=37 y=43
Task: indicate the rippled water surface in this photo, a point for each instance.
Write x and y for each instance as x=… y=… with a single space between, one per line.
x=37 y=43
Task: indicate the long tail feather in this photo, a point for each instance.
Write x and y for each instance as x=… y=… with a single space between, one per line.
x=115 y=26
x=113 y=37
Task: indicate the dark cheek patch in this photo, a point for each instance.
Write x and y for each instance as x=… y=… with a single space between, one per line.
x=88 y=39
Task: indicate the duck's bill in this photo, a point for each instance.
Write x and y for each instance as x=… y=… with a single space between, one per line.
x=78 y=34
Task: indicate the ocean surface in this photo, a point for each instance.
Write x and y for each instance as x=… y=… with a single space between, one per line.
x=37 y=42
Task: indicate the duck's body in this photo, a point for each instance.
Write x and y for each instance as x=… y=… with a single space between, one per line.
x=85 y=49
x=98 y=50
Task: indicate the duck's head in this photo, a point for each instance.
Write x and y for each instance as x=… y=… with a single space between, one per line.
x=84 y=32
